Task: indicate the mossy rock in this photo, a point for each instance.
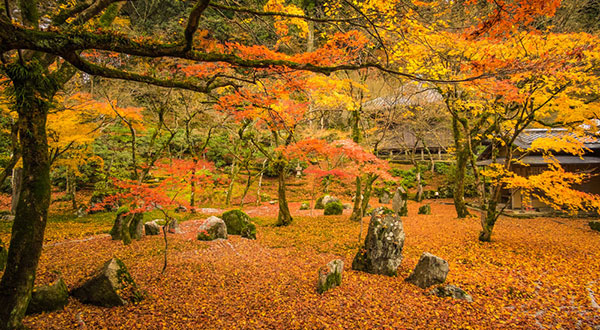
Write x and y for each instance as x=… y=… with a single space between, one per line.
x=330 y=275
x=48 y=298
x=595 y=225
x=3 y=255
x=334 y=208
x=305 y=206
x=238 y=223
x=425 y=209
x=111 y=285
x=319 y=203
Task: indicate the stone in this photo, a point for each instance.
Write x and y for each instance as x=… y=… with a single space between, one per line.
x=399 y=202
x=8 y=218
x=347 y=206
x=136 y=227
x=329 y=199
x=127 y=226
x=152 y=228
x=384 y=198
x=305 y=206
x=330 y=275
x=181 y=209
x=47 y=298
x=425 y=209
x=430 y=270
x=173 y=227
x=108 y=286
x=595 y=225
x=3 y=255
x=272 y=202
x=238 y=223
x=333 y=208
x=451 y=291
x=382 y=250
x=211 y=229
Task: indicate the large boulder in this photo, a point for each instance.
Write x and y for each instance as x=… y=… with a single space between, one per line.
x=595 y=225
x=3 y=255
x=238 y=223
x=48 y=298
x=399 y=202
x=212 y=228
x=333 y=208
x=430 y=270
x=324 y=200
x=111 y=285
x=152 y=228
x=452 y=292
x=382 y=251
x=330 y=275
x=127 y=226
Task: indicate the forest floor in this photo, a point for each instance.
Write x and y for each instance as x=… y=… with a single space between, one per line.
x=537 y=273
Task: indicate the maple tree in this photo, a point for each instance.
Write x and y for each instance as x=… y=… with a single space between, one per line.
x=264 y=82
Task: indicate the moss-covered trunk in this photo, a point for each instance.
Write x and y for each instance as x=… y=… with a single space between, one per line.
x=32 y=208
x=357 y=211
x=284 y=217
x=462 y=158
x=367 y=192
x=488 y=220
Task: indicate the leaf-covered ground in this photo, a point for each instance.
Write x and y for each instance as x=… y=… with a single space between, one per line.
x=537 y=273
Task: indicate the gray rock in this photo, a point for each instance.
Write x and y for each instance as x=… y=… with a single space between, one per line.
x=430 y=270
x=384 y=198
x=211 y=229
x=272 y=202
x=382 y=251
x=107 y=285
x=305 y=206
x=173 y=227
x=425 y=209
x=347 y=206
x=399 y=202
x=48 y=298
x=329 y=199
x=594 y=225
x=330 y=275
x=451 y=291
x=8 y=218
x=152 y=228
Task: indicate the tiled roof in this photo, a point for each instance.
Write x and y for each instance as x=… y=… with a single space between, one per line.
x=527 y=137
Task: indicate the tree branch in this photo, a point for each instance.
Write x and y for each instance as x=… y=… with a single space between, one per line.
x=193 y=22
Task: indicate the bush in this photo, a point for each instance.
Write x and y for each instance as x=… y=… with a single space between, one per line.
x=446 y=189
x=595 y=225
x=409 y=177
x=334 y=208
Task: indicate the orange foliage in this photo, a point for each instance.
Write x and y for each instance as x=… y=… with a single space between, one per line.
x=536 y=273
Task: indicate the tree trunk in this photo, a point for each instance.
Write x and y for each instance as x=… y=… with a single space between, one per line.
x=72 y=188
x=16 y=182
x=459 y=184
x=357 y=212
x=284 y=217
x=462 y=157
x=488 y=220
x=32 y=208
x=367 y=192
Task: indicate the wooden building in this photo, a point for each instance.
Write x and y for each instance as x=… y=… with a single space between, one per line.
x=533 y=163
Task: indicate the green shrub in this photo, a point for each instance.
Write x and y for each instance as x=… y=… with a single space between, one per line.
x=334 y=208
